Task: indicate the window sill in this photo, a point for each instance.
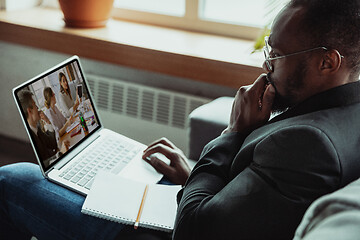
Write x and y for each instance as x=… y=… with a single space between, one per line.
x=202 y=57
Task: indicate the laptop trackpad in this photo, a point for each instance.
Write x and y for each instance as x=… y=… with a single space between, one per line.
x=140 y=170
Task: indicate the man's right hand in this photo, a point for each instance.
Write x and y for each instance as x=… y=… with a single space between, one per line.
x=178 y=171
x=65 y=146
x=44 y=117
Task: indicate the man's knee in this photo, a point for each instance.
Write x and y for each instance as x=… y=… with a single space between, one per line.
x=9 y=175
x=19 y=171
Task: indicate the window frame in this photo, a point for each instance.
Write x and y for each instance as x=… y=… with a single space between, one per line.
x=190 y=21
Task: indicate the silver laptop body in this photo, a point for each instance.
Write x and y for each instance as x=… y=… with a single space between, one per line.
x=91 y=146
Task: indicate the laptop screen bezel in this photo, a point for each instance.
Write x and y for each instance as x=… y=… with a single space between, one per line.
x=18 y=89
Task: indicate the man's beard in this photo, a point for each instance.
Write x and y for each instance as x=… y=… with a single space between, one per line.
x=294 y=82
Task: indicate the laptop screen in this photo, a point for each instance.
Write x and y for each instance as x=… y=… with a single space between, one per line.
x=58 y=111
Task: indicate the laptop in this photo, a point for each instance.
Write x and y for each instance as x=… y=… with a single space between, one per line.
x=69 y=140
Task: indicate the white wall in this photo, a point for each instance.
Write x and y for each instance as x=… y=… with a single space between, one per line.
x=19 y=63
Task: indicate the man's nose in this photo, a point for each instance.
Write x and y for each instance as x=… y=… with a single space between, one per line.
x=268 y=68
x=265 y=67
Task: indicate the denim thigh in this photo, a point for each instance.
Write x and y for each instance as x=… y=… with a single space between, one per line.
x=32 y=205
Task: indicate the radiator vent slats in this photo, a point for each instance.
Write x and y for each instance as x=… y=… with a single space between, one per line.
x=102 y=95
x=117 y=99
x=179 y=113
x=146 y=103
x=132 y=101
x=163 y=108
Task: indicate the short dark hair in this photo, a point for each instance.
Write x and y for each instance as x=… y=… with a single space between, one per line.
x=334 y=24
x=26 y=100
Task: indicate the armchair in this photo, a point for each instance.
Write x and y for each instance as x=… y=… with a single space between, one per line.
x=206 y=123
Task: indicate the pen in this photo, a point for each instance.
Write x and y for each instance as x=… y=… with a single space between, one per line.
x=136 y=225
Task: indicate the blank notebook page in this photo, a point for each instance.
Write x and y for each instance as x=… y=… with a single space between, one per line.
x=118 y=199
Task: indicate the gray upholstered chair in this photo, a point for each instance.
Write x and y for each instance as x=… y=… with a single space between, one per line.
x=206 y=123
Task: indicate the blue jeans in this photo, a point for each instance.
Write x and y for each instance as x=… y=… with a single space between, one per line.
x=30 y=205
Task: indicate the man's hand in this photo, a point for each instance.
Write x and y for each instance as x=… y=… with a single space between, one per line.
x=65 y=146
x=44 y=117
x=71 y=118
x=178 y=171
x=76 y=104
x=252 y=107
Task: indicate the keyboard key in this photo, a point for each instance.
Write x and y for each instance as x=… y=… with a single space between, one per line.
x=88 y=185
x=83 y=182
x=75 y=179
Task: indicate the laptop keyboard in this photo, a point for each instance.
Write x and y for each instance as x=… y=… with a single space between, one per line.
x=109 y=155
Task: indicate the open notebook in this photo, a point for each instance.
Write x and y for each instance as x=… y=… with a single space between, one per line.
x=120 y=199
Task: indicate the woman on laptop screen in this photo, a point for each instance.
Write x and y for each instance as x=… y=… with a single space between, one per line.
x=68 y=98
x=57 y=119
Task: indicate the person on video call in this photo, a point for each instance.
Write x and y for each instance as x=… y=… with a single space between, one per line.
x=68 y=98
x=45 y=141
x=256 y=180
x=56 y=118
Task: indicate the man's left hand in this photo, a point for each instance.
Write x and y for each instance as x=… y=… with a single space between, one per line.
x=252 y=107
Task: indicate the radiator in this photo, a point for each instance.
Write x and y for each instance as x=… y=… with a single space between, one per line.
x=143 y=113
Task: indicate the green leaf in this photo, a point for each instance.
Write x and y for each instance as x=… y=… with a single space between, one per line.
x=259 y=43
x=271 y=5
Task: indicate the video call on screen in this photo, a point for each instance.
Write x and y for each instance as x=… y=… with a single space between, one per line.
x=65 y=113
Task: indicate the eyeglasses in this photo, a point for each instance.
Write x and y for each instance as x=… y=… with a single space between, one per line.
x=269 y=55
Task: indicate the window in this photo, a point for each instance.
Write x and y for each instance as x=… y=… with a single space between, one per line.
x=236 y=18
x=167 y=7
x=252 y=13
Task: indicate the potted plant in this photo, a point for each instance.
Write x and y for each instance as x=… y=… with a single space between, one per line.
x=272 y=6
x=86 y=13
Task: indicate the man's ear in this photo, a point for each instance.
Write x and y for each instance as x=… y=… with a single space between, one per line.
x=331 y=62
x=28 y=110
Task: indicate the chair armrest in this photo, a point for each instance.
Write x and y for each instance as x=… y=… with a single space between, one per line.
x=206 y=123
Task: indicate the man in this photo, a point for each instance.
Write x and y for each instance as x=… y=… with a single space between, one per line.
x=45 y=141
x=256 y=180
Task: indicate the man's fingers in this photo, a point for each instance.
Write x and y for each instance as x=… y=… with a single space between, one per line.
x=160 y=166
x=248 y=112
x=260 y=84
x=268 y=98
x=264 y=100
x=159 y=148
x=158 y=156
x=254 y=93
x=67 y=145
x=163 y=141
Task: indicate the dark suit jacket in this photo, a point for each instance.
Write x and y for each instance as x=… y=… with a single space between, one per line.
x=45 y=143
x=259 y=186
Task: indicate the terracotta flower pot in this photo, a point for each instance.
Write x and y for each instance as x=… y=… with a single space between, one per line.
x=86 y=13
